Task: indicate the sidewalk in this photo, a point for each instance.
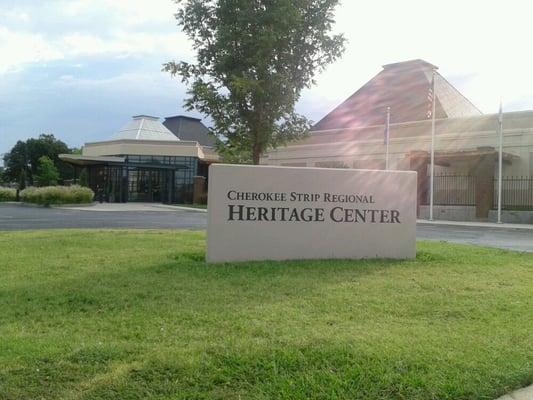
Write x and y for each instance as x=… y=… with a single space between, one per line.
x=490 y=225
x=520 y=394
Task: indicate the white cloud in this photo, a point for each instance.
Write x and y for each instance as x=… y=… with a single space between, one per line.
x=15 y=15
x=18 y=48
x=150 y=82
x=21 y=48
x=136 y=12
x=129 y=27
x=76 y=8
x=488 y=42
x=126 y=13
x=122 y=43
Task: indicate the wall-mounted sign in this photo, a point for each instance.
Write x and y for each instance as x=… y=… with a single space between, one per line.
x=282 y=213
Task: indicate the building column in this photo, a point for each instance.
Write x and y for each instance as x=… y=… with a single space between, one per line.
x=483 y=171
x=199 y=194
x=418 y=161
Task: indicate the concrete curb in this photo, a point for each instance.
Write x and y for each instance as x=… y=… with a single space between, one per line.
x=73 y=205
x=520 y=394
x=489 y=225
x=129 y=207
x=171 y=207
x=20 y=204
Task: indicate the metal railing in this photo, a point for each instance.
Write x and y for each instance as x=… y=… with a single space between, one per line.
x=517 y=193
x=453 y=190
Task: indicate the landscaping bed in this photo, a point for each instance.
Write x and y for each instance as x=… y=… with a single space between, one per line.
x=137 y=314
x=50 y=195
x=7 y=194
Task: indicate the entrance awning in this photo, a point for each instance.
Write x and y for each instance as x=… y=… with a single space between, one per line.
x=77 y=159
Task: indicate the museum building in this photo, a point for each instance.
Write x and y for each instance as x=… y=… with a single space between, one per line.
x=466 y=142
x=149 y=161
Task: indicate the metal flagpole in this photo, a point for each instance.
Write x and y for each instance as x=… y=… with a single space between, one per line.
x=387 y=139
x=432 y=166
x=500 y=162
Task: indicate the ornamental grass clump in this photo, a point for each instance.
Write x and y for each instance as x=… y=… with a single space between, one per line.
x=49 y=195
x=7 y=194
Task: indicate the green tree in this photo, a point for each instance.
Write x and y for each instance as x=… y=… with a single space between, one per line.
x=83 y=178
x=254 y=57
x=22 y=179
x=16 y=163
x=47 y=173
x=24 y=156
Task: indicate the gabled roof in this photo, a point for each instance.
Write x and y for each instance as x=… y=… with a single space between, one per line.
x=403 y=87
x=189 y=128
x=144 y=127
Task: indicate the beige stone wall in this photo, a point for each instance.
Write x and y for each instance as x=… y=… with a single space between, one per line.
x=364 y=148
x=148 y=147
x=327 y=213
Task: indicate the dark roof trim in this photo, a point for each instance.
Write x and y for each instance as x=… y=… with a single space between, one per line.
x=145 y=116
x=184 y=116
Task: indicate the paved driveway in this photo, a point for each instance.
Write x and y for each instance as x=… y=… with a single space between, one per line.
x=519 y=239
x=16 y=217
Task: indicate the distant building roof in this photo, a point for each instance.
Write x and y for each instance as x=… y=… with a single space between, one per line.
x=189 y=128
x=144 y=127
x=403 y=87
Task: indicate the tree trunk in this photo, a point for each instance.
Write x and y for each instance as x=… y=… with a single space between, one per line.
x=255 y=158
x=256 y=154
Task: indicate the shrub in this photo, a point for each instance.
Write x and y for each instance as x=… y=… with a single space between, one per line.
x=7 y=194
x=57 y=195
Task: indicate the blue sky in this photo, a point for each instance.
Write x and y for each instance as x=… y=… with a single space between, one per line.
x=81 y=68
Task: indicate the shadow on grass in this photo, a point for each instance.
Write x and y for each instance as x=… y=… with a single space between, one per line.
x=326 y=371
x=128 y=309
x=186 y=274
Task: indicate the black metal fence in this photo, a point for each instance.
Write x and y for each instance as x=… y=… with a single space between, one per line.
x=453 y=190
x=460 y=190
x=517 y=193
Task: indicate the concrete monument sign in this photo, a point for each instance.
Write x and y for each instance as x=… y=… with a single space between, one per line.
x=281 y=213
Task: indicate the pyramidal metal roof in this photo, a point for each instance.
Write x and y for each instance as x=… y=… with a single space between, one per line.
x=403 y=87
x=145 y=127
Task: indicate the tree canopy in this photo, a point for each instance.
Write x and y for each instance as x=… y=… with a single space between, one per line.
x=22 y=159
x=254 y=57
x=47 y=173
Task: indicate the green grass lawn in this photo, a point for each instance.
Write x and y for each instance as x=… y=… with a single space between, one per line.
x=89 y=314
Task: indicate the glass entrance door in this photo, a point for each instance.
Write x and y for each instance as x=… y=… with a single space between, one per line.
x=155 y=185
x=147 y=184
x=106 y=182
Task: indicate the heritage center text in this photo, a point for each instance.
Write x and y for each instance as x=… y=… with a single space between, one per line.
x=333 y=207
